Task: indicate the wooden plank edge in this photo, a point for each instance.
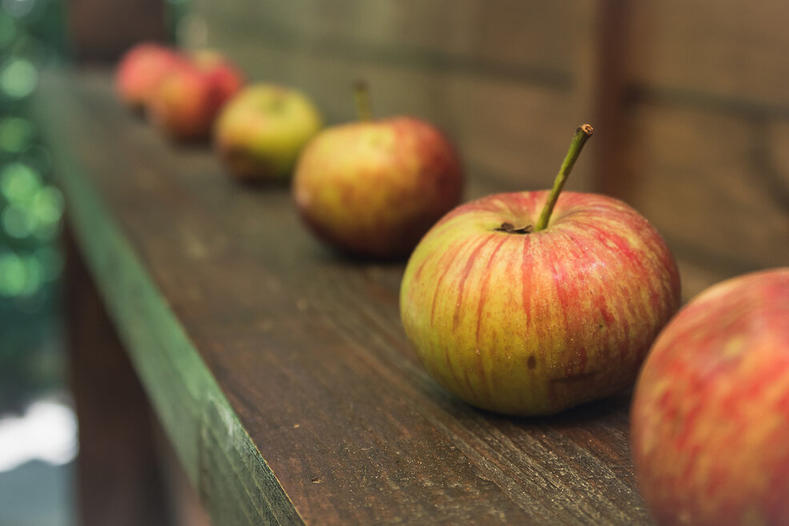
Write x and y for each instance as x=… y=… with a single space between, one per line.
x=217 y=453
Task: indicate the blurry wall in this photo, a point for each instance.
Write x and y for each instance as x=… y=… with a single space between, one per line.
x=688 y=98
x=100 y=30
x=707 y=107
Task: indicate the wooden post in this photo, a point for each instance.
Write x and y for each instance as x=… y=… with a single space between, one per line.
x=613 y=174
x=100 y=30
x=119 y=476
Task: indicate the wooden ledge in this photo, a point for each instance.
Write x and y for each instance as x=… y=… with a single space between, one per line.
x=279 y=370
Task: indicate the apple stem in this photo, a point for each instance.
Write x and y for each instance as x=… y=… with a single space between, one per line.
x=361 y=94
x=582 y=134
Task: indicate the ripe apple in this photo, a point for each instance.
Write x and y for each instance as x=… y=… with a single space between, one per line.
x=187 y=100
x=261 y=131
x=140 y=70
x=522 y=309
x=710 y=416
x=374 y=187
x=226 y=77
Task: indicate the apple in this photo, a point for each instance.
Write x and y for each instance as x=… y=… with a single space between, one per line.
x=140 y=71
x=225 y=76
x=528 y=303
x=187 y=100
x=710 y=415
x=260 y=133
x=372 y=188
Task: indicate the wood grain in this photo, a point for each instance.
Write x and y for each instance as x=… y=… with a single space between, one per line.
x=280 y=370
x=187 y=400
x=517 y=40
x=733 y=53
x=710 y=184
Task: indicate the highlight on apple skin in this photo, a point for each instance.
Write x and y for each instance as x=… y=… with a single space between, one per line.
x=262 y=130
x=140 y=71
x=372 y=188
x=529 y=303
x=710 y=416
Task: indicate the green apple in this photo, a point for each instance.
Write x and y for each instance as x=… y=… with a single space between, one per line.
x=261 y=132
x=710 y=416
x=532 y=302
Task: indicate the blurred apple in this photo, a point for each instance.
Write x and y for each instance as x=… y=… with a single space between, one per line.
x=226 y=77
x=710 y=417
x=373 y=188
x=262 y=130
x=532 y=302
x=187 y=100
x=140 y=71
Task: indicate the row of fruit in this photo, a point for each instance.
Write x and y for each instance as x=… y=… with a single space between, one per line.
x=395 y=178
x=523 y=303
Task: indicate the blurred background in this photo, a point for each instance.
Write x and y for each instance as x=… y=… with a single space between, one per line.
x=688 y=97
x=37 y=427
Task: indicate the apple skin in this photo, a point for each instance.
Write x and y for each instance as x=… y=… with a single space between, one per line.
x=373 y=188
x=226 y=78
x=140 y=71
x=187 y=100
x=531 y=324
x=261 y=132
x=710 y=416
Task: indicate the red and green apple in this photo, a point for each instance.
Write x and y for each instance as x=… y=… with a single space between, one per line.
x=261 y=132
x=372 y=188
x=140 y=71
x=710 y=416
x=188 y=98
x=528 y=303
x=226 y=78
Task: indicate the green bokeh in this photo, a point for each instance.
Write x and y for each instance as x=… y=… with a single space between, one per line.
x=13 y=275
x=31 y=37
x=7 y=30
x=18 y=78
x=19 y=182
x=16 y=135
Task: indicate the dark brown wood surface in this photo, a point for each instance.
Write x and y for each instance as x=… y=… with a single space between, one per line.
x=308 y=349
